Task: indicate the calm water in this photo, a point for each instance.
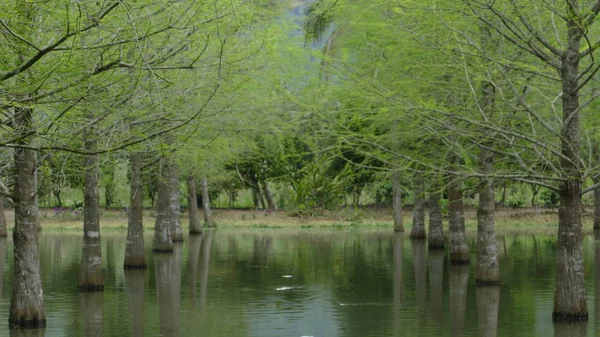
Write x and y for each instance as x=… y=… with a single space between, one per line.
x=302 y=284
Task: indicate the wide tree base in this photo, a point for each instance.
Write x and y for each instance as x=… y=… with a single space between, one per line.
x=418 y=236
x=27 y=323
x=435 y=244
x=564 y=316
x=90 y=288
x=135 y=266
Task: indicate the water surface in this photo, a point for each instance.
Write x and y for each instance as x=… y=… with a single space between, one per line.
x=301 y=283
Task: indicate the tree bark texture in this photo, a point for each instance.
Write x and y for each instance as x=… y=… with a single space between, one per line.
x=569 y=296
x=597 y=203
x=174 y=204
x=488 y=270
x=208 y=221
x=458 y=279
x=3 y=227
x=436 y=227
x=269 y=195
x=488 y=303
x=418 y=226
x=26 y=302
x=91 y=193
x=167 y=269
x=135 y=252
x=193 y=215
x=459 y=248
x=397 y=202
x=135 y=282
x=92 y=307
x=163 y=237
x=91 y=276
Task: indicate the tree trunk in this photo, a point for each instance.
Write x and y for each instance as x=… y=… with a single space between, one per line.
x=91 y=193
x=174 y=204
x=458 y=280
x=255 y=196
x=135 y=252
x=91 y=277
x=193 y=215
x=92 y=307
x=436 y=227
x=488 y=271
x=26 y=302
x=418 y=227
x=397 y=202
x=488 y=303
x=3 y=249
x=3 y=227
x=163 y=237
x=459 y=249
x=135 y=281
x=569 y=296
x=270 y=200
x=596 y=180
x=208 y=222
x=167 y=269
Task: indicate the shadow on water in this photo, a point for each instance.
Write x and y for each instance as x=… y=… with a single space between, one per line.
x=167 y=271
x=135 y=285
x=488 y=303
x=458 y=280
x=91 y=309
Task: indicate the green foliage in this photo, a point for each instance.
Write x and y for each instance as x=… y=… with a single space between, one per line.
x=549 y=198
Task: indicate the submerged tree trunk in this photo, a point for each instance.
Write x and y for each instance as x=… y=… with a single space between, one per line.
x=163 y=237
x=569 y=296
x=174 y=204
x=269 y=195
x=208 y=221
x=3 y=227
x=488 y=271
x=397 y=202
x=26 y=302
x=488 y=303
x=193 y=215
x=459 y=249
x=418 y=227
x=436 y=227
x=135 y=253
x=91 y=277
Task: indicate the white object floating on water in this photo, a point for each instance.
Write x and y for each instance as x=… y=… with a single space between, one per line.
x=288 y=276
x=285 y=288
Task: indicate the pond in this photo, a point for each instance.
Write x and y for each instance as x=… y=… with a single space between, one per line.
x=301 y=283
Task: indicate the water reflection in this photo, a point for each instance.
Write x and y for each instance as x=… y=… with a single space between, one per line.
x=398 y=248
x=134 y=286
x=488 y=300
x=420 y=269
x=458 y=280
x=207 y=241
x=91 y=308
x=167 y=271
x=27 y=333
x=597 y=278
x=436 y=283
x=570 y=329
x=195 y=244
x=3 y=248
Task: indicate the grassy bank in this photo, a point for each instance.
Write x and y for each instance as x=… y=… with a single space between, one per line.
x=523 y=220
